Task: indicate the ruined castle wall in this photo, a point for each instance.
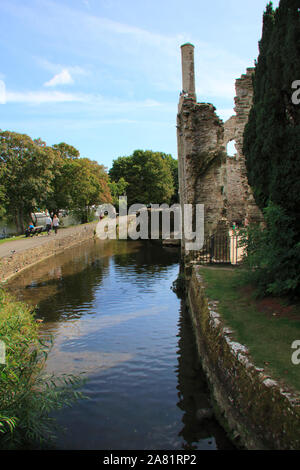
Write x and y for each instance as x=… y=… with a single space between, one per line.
x=202 y=162
x=236 y=196
x=235 y=189
x=207 y=175
x=239 y=198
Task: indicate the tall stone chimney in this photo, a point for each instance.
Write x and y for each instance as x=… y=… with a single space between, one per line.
x=188 y=70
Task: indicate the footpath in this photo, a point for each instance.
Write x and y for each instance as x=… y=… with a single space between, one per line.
x=22 y=253
x=37 y=240
x=19 y=254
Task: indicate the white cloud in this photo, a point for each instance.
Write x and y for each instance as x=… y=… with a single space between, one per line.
x=62 y=78
x=128 y=47
x=92 y=101
x=2 y=92
x=39 y=97
x=58 y=68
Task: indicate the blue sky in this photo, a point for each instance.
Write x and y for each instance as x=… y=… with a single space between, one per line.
x=105 y=75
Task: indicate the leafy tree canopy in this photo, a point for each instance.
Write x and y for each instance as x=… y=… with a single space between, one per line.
x=67 y=151
x=117 y=189
x=35 y=176
x=79 y=183
x=150 y=176
x=25 y=174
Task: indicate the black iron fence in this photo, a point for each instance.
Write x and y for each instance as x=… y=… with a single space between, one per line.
x=220 y=249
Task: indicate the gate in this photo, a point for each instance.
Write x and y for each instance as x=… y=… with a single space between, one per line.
x=220 y=249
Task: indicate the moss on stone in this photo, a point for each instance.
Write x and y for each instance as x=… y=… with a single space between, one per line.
x=256 y=410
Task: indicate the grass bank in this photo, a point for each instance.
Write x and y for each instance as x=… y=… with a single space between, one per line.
x=27 y=394
x=11 y=239
x=268 y=326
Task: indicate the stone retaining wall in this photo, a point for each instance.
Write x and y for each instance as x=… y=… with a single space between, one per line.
x=259 y=413
x=14 y=263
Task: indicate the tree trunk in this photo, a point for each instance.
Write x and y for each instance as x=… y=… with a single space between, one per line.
x=19 y=220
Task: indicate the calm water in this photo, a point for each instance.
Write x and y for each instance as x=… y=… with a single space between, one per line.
x=112 y=314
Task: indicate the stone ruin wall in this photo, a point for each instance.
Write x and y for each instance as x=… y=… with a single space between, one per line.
x=240 y=201
x=202 y=170
x=207 y=175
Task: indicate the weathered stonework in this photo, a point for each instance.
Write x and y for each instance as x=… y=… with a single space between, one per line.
x=188 y=72
x=202 y=170
x=207 y=175
x=256 y=410
x=239 y=198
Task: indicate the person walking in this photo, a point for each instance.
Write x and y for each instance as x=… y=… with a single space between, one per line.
x=55 y=223
x=48 y=223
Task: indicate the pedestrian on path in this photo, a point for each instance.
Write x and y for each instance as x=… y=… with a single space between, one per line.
x=48 y=223
x=55 y=223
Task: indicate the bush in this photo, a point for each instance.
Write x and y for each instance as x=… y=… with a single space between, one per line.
x=27 y=394
x=273 y=253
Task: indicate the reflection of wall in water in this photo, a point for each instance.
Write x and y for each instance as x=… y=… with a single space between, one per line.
x=72 y=275
x=193 y=392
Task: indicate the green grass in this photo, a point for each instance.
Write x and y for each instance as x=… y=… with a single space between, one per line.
x=11 y=239
x=269 y=337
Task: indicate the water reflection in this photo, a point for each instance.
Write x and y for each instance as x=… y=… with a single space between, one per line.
x=113 y=316
x=194 y=394
x=71 y=278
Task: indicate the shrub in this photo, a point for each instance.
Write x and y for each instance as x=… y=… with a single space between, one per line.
x=28 y=395
x=273 y=253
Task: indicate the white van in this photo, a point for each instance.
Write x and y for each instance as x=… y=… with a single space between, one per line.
x=39 y=218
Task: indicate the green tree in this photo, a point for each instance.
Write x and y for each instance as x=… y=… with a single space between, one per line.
x=78 y=183
x=66 y=151
x=174 y=169
x=25 y=175
x=149 y=175
x=117 y=189
x=90 y=187
x=271 y=146
x=2 y=194
x=63 y=170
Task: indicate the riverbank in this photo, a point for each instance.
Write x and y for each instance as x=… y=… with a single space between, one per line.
x=258 y=411
x=268 y=326
x=22 y=253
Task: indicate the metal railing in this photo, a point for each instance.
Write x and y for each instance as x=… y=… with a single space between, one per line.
x=220 y=249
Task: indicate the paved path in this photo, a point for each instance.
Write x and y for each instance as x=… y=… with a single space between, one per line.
x=24 y=243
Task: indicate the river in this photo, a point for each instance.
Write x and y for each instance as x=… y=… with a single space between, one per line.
x=113 y=316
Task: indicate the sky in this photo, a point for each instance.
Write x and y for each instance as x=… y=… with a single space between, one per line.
x=105 y=75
